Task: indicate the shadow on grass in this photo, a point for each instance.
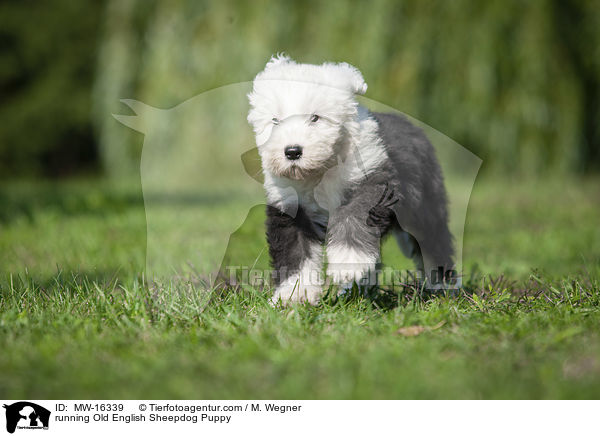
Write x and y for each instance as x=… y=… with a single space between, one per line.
x=64 y=280
x=483 y=291
x=27 y=201
x=96 y=199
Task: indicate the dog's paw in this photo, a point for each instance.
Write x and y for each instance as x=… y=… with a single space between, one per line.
x=295 y=292
x=345 y=289
x=347 y=265
x=345 y=275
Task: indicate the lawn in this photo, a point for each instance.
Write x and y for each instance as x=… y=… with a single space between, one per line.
x=79 y=317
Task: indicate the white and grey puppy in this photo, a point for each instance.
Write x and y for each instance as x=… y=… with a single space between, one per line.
x=339 y=175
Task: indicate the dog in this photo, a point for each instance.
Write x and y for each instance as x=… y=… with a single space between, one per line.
x=338 y=178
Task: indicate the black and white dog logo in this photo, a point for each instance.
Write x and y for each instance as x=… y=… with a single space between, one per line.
x=26 y=415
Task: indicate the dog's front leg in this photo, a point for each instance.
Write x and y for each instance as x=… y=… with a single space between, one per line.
x=296 y=252
x=354 y=232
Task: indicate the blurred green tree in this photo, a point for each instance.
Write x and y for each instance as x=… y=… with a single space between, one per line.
x=516 y=82
x=47 y=67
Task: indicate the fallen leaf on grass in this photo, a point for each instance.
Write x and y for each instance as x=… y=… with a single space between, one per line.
x=578 y=368
x=415 y=330
x=412 y=330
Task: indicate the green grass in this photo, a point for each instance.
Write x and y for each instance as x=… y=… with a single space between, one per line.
x=79 y=319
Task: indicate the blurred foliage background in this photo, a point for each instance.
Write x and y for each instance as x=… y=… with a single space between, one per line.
x=106 y=252
x=517 y=83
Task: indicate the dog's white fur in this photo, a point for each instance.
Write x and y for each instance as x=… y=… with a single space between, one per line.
x=307 y=284
x=347 y=264
x=340 y=149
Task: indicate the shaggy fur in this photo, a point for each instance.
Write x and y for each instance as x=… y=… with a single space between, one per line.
x=360 y=175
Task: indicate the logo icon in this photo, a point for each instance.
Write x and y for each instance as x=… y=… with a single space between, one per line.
x=26 y=415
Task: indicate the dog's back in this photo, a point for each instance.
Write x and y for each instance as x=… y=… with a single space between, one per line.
x=413 y=163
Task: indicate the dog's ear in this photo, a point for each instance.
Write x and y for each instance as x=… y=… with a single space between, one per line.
x=278 y=59
x=347 y=77
x=354 y=77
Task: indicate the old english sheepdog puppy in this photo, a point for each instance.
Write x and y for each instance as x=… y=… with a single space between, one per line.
x=341 y=177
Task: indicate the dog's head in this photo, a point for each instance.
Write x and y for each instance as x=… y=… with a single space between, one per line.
x=302 y=114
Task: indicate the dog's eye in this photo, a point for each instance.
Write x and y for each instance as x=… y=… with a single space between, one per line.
x=314 y=118
x=275 y=121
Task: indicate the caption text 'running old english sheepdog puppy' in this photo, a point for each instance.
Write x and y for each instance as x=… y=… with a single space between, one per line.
x=341 y=176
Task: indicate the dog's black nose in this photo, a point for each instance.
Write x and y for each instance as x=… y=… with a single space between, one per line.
x=293 y=152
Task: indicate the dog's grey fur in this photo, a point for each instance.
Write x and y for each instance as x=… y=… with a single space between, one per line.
x=412 y=204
